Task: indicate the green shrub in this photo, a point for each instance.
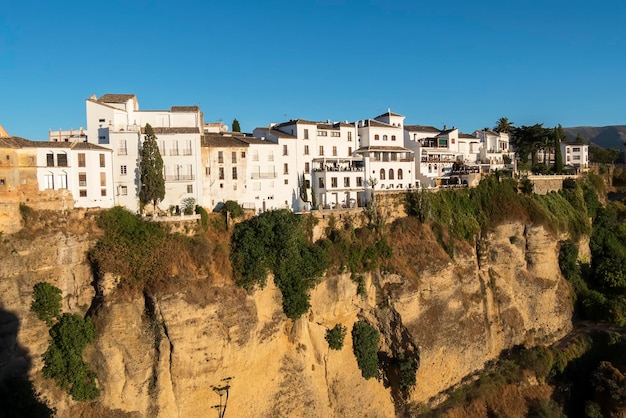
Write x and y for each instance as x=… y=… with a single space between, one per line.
x=63 y=359
x=407 y=367
x=335 y=337
x=276 y=242
x=233 y=208
x=204 y=217
x=188 y=205
x=46 y=302
x=365 y=339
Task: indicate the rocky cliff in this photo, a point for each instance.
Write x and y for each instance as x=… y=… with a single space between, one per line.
x=162 y=353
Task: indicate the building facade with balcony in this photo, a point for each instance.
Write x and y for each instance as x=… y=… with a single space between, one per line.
x=388 y=164
x=115 y=121
x=575 y=155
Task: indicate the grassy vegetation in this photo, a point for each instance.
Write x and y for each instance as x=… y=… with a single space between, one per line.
x=463 y=213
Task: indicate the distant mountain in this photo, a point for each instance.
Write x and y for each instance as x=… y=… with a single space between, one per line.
x=606 y=136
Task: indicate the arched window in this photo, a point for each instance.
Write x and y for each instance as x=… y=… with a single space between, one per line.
x=400 y=174
x=384 y=137
x=393 y=137
x=376 y=137
x=382 y=173
x=391 y=174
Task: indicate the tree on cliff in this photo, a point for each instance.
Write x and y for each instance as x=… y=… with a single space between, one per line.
x=151 y=181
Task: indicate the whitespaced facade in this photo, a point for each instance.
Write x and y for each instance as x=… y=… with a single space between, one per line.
x=388 y=164
x=575 y=155
x=115 y=121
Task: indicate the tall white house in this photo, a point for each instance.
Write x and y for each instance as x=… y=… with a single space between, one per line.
x=575 y=155
x=115 y=121
x=388 y=164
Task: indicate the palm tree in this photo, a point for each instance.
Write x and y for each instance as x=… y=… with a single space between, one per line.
x=503 y=125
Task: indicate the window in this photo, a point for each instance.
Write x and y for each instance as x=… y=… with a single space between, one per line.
x=121 y=150
x=334 y=151
x=234 y=157
x=576 y=157
x=322 y=133
x=452 y=140
x=207 y=171
x=270 y=156
x=384 y=137
x=285 y=150
x=174 y=150
x=576 y=149
x=103 y=180
x=285 y=168
x=62 y=160
x=187 y=149
x=320 y=183
x=48 y=181
x=376 y=137
x=220 y=157
x=391 y=176
x=359 y=181
x=346 y=182
x=306 y=134
x=221 y=173
x=321 y=149
x=63 y=181
x=81 y=160
x=400 y=174
x=349 y=151
x=335 y=134
x=255 y=155
x=306 y=150
x=393 y=137
x=234 y=173
x=243 y=154
x=382 y=174
x=286 y=181
x=123 y=190
x=102 y=160
x=82 y=179
x=101 y=120
x=103 y=192
x=333 y=182
x=123 y=170
x=307 y=167
x=50 y=160
x=349 y=136
x=190 y=188
x=82 y=193
x=307 y=184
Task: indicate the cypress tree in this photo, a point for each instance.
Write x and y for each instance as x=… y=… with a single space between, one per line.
x=236 y=127
x=151 y=181
x=558 y=156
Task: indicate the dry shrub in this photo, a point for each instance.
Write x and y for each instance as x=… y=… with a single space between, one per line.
x=415 y=249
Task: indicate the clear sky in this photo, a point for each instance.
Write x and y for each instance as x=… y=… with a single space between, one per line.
x=460 y=63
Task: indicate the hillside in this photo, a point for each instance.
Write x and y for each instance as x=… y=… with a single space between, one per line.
x=605 y=136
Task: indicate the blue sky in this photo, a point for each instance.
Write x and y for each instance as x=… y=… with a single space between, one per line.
x=459 y=63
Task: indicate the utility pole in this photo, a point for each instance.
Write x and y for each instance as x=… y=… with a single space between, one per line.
x=222 y=390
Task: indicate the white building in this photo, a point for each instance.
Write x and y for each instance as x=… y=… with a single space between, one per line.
x=388 y=164
x=495 y=152
x=225 y=160
x=115 y=121
x=575 y=156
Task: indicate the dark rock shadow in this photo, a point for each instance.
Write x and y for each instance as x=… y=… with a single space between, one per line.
x=18 y=397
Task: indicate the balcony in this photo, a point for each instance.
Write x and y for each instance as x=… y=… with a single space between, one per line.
x=174 y=152
x=179 y=177
x=187 y=151
x=255 y=176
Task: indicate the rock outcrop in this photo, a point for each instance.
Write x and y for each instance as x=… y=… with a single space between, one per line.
x=166 y=354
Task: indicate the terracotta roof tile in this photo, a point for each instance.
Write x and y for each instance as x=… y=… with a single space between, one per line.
x=115 y=98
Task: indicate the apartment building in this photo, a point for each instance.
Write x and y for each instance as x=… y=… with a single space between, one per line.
x=115 y=121
x=575 y=156
x=388 y=164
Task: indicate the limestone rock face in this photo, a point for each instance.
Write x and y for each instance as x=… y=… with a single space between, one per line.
x=165 y=355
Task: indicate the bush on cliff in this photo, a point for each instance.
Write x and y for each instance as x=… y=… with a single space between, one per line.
x=365 y=339
x=63 y=359
x=46 y=302
x=335 y=336
x=275 y=242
